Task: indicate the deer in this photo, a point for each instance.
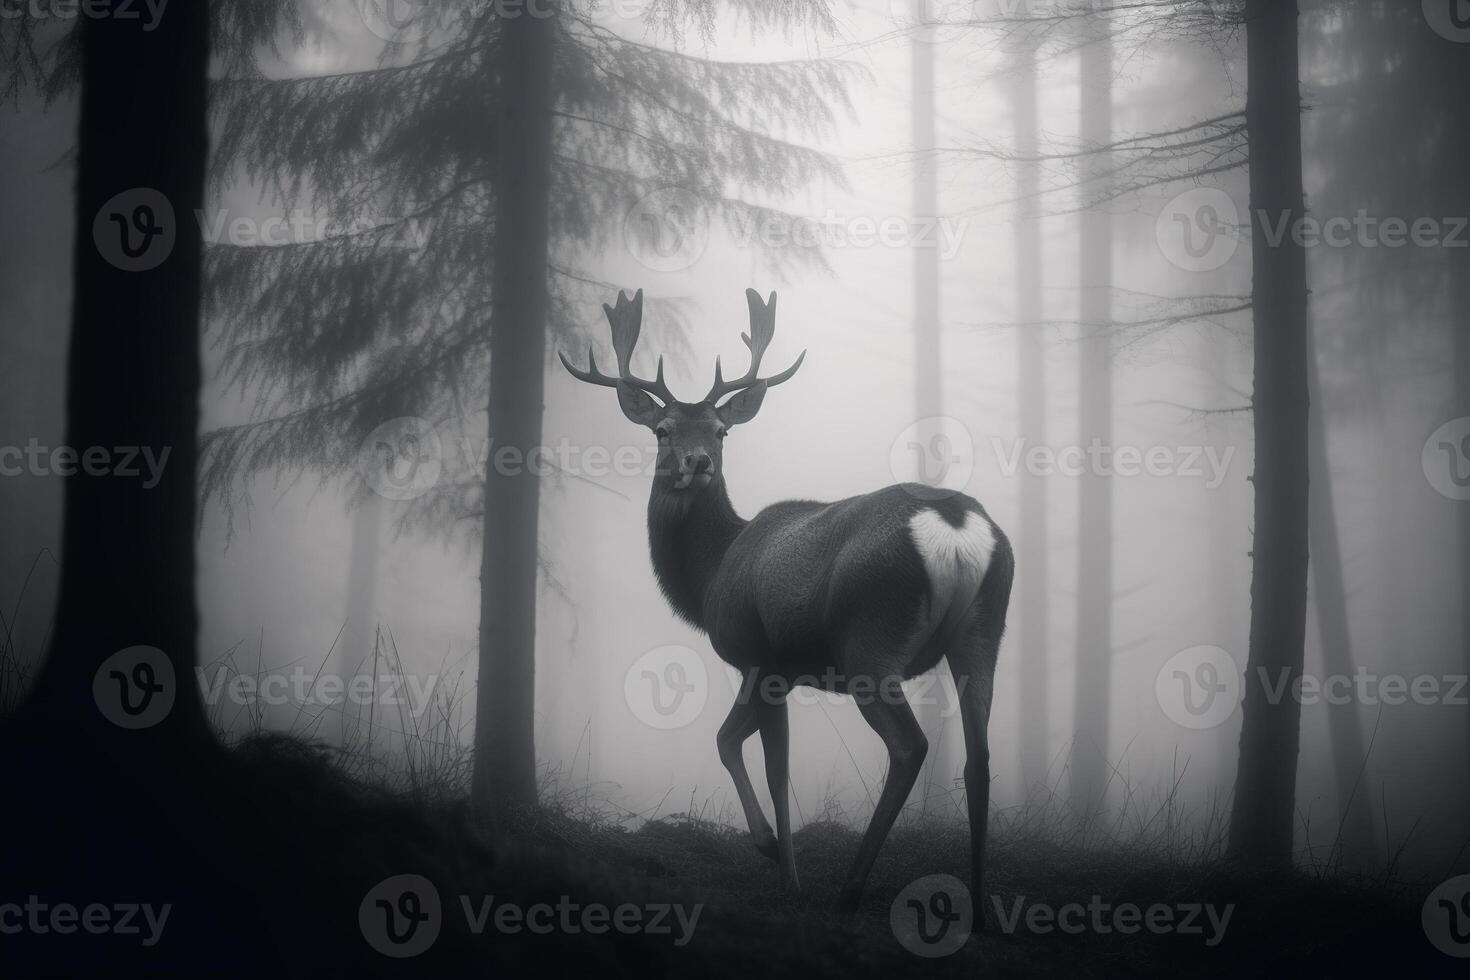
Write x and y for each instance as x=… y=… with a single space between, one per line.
x=852 y=597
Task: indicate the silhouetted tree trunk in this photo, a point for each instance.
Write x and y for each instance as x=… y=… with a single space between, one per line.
x=110 y=761
x=1095 y=423
x=1030 y=383
x=1460 y=324
x=1261 y=822
x=1359 y=841
x=127 y=563
x=505 y=745
x=928 y=399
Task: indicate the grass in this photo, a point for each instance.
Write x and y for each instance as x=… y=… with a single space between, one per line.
x=269 y=842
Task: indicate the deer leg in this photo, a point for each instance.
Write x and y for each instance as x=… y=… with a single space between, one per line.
x=775 y=740
x=889 y=714
x=974 y=671
x=742 y=722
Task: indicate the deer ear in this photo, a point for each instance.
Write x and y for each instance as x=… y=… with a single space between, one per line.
x=637 y=405
x=742 y=407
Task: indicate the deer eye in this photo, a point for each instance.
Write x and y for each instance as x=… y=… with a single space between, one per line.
x=662 y=432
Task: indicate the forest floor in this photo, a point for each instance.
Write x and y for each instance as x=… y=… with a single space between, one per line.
x=275 y=849
x=273 y=855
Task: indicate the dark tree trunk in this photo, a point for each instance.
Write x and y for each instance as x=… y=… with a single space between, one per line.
x=505 y=746
x=1030 y=382
x=127 y=563
x=1095 y=423
x=110 y=784
x=1261 y=824
x=1460 y=325
x=1358 y=839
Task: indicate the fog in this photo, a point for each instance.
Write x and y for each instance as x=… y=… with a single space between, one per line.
x=314 y=571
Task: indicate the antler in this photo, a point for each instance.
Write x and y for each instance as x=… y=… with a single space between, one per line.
x=762 y=329
x=626 y=319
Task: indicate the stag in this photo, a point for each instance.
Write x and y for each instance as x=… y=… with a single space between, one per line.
x=854 y=597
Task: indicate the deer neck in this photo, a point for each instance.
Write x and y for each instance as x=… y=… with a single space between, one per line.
x=688 y=535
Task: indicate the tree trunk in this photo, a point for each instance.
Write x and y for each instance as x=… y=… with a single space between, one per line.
x=1030 y=383
x=1358 y=839
x=1460 y=325
x=928 y=399
x=505 y=749
x=1261 y=823
x=127 y=564
x=1095 y=424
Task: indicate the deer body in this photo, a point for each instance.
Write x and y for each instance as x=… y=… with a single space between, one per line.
x=854 y=596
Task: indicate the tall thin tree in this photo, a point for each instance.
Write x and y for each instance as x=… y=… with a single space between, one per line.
x=1261 y=823
x=1094 y=630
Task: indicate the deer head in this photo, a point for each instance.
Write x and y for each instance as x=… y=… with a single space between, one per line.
x=690 y=434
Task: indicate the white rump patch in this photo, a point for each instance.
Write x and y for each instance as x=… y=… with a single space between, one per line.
x=955 y=559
